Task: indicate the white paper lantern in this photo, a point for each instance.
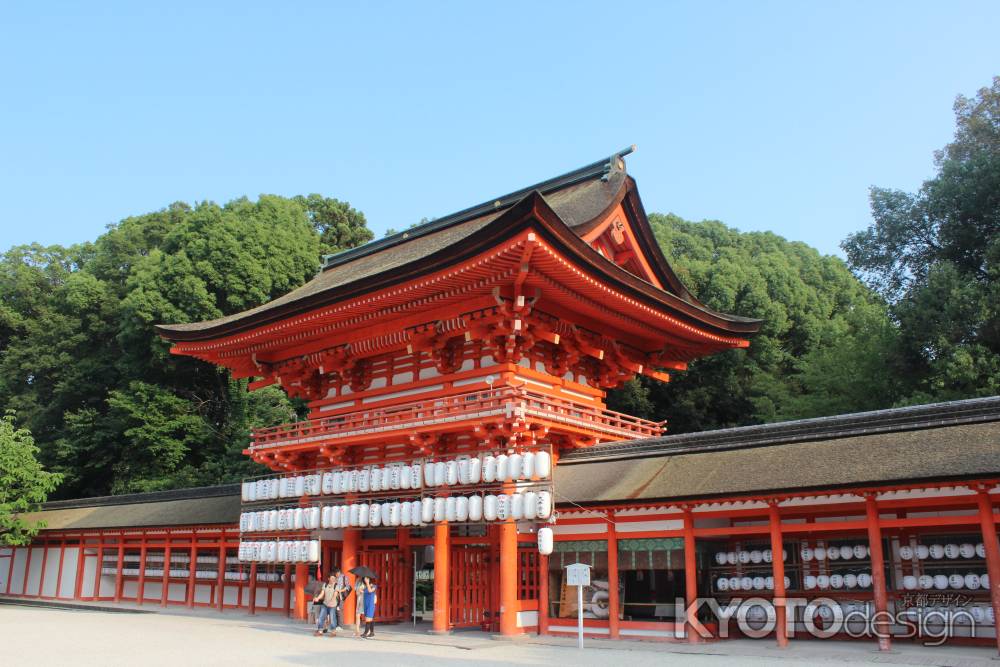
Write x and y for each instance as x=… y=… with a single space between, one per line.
x=282 y=551
x=374 y=479
x=860 y=551
x=758 y=583
x=440 y=473
x=972 y=581
x=515 y=467
x=545 y=541
x=386 y=510
x=528 y=465
x=272 y=520
x=317 y=484
x=743 y=557
x=906 y=553
x=766 y=555
x=864 y=580
x=503 y=507
x=344 y=483
x=823 y=582
x=769 y=583
x=746 y=583
x=450 y=512
x=503 y=469
x=809 y=582
x=475 y=471
x=490 y=508
x=364 y=480
x=429 y=474
x=836 y=581
x=260 y=489
x=544 y=505
x=451 y=473
x=272 y=488
x=850 y=581
x=951 y=551
x=314 y=518
x=756 y=556
x=490 y=469
x=981 y=550
x=734 y=583
x=396 y=477
x=543 y=465
x=298 y=520
x=272 y=552
x=940 y=582
x=722 y=584
x=530 y=505
x=327 y=485
x=956 y=581
x=395 y=513
x=936 y=551
x=475 y=508
x=375 y=515
x=832 y=553
x=405 y=477
x=846 y=552
x=806 y=554
x=926 y=581
x=461 y=508
x=314 y=551
x=405 y=514
x=300 y=486
x=923 y=553
x=326 y=517
x=984 y=581
x=439 y=509
x=978 y=615
x=910 y=582
x=427 y=510
x=517 y=506
x=967 y=550
x=345 y=516
x=463 y=471
x=720 y=558
x=416 y=513
x=819 y=553
x=245 y=492
x=415 y=476
x=364 y=515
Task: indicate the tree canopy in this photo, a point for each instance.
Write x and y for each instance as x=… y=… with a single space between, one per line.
x=24 y=484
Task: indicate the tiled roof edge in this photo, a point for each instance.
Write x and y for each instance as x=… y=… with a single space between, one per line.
x=149 y=497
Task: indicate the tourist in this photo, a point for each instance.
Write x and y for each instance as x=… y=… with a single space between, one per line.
x=343 y=590
x=359 y=607
x=370 y=599
x=328 y=599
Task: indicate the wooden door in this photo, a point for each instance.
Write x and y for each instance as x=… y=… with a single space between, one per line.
x=395 y=584
x=473 y=589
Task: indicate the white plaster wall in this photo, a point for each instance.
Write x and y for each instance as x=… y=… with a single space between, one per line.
x=106 y=586
x=232 y=594
x=261 y=597
x=527 y=619
x=89 y=565
x=202 y=593
x=50 y=582
x=34 y=575
x=17 y=576
x=578 y=528
x=153 y=589
x=130 y=589
x=67 y=585
x=176 y=592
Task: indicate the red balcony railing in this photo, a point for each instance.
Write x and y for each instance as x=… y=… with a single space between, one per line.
x=438 y=413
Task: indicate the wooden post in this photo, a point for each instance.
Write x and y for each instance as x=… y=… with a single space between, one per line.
x=690 y=579
x=442 y=552
x=192 y=566
x=288 y=589
x=165 y=586
x=220 y=580
x=508 y=578
x=141 y=589
x=778 y=571
x=301 y=579
x=988 y=526
x=878 y=573
x=45 y=558
x=349 y=560
x=614 y=603
x=543 y=595
x=253 y=588
x=62 y=558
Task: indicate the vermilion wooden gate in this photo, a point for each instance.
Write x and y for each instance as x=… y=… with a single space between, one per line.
x=395 y=587
x=474 y=588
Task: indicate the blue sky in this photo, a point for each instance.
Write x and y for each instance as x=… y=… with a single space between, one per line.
x=764 y=115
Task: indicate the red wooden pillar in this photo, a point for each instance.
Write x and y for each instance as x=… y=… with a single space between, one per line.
x=288 y=589
x=301 y=579
x=165 y=586
x=987 y=522
x=142 y=572
x=80 y=562
x=442 y=552
x=349 y=561
x=543 y=595
x=878 y=573
x=690 y=578
x=508 y=578
x=778 y=568
x=10 y=570
x=253 y=588
x=62 y=558
x=220 y=574
x=119 y=581
x=41 y=574
x=614 y=603
x=192 y=567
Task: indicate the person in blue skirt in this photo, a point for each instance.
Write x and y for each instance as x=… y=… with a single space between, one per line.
x=370 y=599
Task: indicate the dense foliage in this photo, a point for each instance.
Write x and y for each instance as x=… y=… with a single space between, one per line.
x=79 y=361
x=24 y=484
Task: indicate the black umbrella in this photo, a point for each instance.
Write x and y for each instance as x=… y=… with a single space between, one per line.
x=361 y=571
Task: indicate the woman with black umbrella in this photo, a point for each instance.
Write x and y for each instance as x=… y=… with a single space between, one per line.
x=366 y=599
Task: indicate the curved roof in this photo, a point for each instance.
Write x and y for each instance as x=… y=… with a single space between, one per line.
x=578 y=200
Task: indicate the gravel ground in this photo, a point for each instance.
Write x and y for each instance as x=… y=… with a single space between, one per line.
x=43 y=636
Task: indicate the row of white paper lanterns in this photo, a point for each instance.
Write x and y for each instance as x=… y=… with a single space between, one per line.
x=529 y=505
x=294 y=551
x=970 y=581
x=744 y=557
x=845 y=552
x=837 y=581
x=748 y=583
x=489 y=469
x=939 y=551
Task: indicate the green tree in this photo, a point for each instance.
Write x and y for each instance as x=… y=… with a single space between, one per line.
x=339 y=226
x=24 y=484
x=817 y=317
x=935 y=256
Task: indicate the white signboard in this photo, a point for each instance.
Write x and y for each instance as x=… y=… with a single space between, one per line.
x=578 y=574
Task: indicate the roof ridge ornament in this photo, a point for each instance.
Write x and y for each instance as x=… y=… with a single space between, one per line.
x=616 y=163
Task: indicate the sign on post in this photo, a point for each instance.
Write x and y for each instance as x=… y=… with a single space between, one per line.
x=578 y=574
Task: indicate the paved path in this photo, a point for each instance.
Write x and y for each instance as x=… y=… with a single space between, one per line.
x=39 y=636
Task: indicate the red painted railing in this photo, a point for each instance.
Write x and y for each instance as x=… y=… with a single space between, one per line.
x=507 y=403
